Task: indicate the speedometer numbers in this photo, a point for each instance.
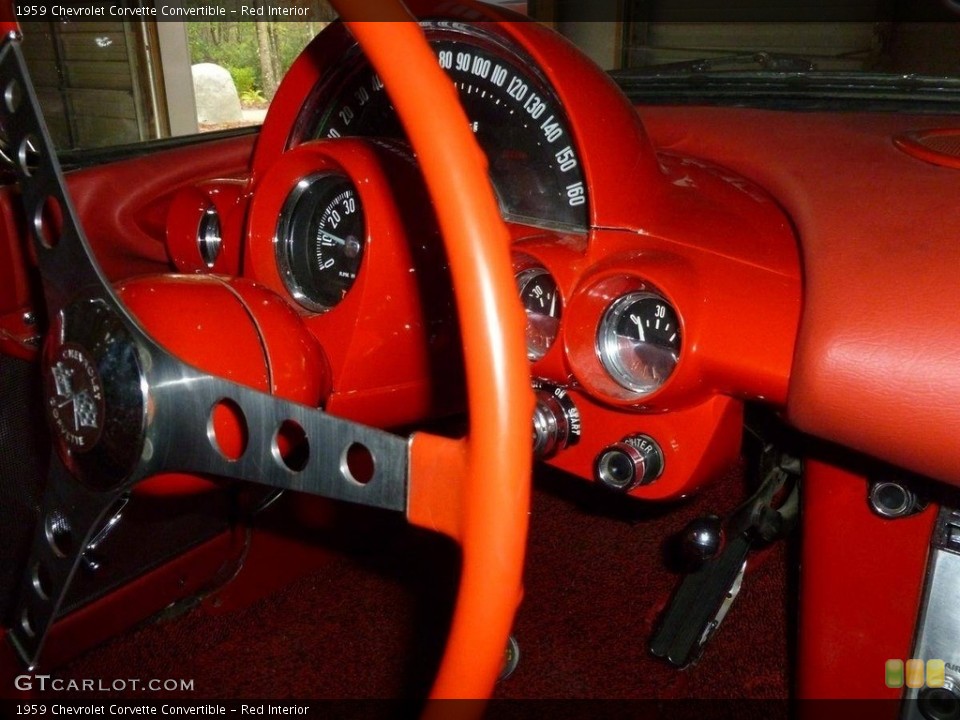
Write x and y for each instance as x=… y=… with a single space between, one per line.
x=542 y=305
x=638 y=341
x=320 y=240
x=517 y=119
x=519 y=124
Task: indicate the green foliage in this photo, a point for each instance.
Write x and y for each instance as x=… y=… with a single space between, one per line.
x=245 y=78
x=233 y=45
x=252 y=97
x=226 y=44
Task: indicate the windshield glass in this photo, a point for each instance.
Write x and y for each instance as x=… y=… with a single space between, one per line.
x=104 y=80
x=113 y=81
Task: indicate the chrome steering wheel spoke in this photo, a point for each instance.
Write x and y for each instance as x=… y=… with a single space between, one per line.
x=122 y=408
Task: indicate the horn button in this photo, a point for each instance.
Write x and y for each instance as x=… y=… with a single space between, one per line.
x=95 y=395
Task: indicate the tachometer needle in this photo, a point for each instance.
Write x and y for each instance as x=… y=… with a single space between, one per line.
x=328 y=240
x=638 y=322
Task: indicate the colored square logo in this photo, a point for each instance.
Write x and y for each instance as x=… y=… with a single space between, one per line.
x=915 y=673
x=894 y=673
x=936 y=672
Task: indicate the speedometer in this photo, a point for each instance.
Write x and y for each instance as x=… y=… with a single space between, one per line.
x=518 y=121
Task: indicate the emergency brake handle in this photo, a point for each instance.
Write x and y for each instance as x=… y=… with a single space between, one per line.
x=722 y=549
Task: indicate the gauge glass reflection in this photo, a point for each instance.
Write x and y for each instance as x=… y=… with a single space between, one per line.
x=542 y=305
x=639 y=341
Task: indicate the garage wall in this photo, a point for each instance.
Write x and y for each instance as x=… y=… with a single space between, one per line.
x=93 y=82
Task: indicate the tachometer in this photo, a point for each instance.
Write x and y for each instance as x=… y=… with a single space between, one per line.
x=517 y=118
x=320 y=240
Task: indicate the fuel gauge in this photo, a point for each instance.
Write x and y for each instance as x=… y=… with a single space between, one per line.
x=542 y=304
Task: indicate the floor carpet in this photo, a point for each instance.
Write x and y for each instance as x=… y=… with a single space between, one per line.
x=371 y=623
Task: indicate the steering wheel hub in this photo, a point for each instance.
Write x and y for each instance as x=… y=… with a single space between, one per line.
x=95 y=400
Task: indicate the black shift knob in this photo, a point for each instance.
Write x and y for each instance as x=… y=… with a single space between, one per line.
x=702 y=539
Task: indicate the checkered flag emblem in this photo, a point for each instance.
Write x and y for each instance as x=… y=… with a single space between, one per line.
x=84 y=410
x=61 y=379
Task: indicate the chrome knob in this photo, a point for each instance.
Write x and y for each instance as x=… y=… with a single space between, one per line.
x=556 y=421
x=939 y=703
x=891 y=499
x=636 y=460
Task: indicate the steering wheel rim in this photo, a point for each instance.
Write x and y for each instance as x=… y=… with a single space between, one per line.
x=488 y=513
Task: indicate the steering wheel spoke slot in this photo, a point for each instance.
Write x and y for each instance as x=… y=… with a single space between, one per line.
x=229 y=430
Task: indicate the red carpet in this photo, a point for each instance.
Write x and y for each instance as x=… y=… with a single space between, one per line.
x=370 y=624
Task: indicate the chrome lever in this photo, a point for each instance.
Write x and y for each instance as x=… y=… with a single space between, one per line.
x=91 y=562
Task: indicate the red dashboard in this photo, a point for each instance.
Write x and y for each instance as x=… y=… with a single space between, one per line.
x=875 y=365
x=714 y=245
x=676 y=265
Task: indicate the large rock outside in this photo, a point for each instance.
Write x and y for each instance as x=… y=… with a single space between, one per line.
x=216 y=95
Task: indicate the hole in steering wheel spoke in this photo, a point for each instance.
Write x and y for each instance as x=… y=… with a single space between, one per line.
x=28 y=156
x=48 y=222
x=291 y=446
x=12 y=95
x=59 y=533
x=357 y=464
x=227 y=429
x=41 y=581
x=27 y=622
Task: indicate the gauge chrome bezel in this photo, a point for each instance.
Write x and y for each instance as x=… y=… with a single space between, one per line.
x=283 y=239
x=523 y=279
x=607 y=343
x=209 y=236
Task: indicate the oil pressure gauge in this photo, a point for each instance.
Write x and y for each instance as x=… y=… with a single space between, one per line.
x=639 y=341
x=542 y=305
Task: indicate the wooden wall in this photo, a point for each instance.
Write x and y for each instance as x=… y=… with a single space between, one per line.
x=93 y=81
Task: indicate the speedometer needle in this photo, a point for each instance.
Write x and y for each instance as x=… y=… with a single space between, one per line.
x=637 y=321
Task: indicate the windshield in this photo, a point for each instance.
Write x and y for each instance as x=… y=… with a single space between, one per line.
x=922 y=48
x=113 y=81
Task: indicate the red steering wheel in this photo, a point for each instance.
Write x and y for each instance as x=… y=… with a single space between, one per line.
x=487 y=512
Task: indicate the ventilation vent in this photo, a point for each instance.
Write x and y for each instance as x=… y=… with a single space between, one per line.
x=941 y=146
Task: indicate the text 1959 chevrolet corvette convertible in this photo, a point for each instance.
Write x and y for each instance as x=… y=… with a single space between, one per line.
x=723 y=305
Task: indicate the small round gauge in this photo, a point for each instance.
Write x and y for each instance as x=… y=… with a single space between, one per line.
x=639 y=341
x=541 y=302
x=320 y=240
